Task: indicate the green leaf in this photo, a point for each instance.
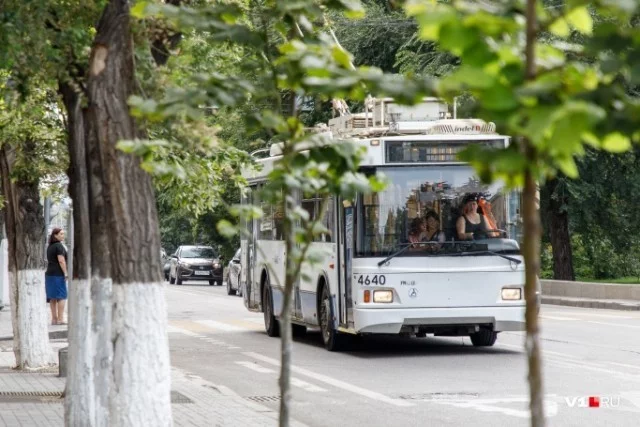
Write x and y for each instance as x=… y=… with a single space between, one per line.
x=581 y=20
x=226 y=228
x=560 y=28
x=568 y=166
x=499 y=98
x=138 y=11
x=591 y=139
x=341 y=57
x=616 y=142
x=456 y=38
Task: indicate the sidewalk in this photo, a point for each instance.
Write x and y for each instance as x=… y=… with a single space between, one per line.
x=591 y=295
x=33 y=399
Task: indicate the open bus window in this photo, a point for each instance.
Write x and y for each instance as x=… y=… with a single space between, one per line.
x=313 y=205
x=384 y=218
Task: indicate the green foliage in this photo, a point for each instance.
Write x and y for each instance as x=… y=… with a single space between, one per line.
x=34 y=128
x=564 y=106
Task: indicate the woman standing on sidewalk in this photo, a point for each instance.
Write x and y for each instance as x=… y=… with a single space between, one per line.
x=56 y=276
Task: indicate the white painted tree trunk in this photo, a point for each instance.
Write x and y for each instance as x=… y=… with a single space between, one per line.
x=102 y=297
x=79 y=403
x=141 y=378
x=30 y=319
x=4 y=272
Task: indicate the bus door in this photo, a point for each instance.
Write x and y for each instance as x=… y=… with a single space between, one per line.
x=249 y=258
x=345 y=253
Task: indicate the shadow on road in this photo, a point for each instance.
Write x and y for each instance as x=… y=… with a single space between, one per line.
x=385 y=346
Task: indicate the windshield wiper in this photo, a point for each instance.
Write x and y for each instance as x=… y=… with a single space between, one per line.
x=514 y=260
x=396 y=253
x=405 y=247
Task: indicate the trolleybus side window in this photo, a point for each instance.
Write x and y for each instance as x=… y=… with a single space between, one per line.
x=312 y=205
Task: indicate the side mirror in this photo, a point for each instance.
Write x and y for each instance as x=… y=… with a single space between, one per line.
x=236 y=260
x=174 y=256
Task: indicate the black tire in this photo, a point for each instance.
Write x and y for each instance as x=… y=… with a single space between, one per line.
x=332 y=339
x=483 y=338
x=239 y=290
x=229 y=290
x=212 y=282
x=271 y=324
x=172 y=280
x=178 y=281
x=298 y=331
x=219 y=282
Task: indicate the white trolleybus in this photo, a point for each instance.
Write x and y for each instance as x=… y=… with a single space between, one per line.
x=402 y=261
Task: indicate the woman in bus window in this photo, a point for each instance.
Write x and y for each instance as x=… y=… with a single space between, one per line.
x=432 y=232
x=417 y=231
x=471 y=225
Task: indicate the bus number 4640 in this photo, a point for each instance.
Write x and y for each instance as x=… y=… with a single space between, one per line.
x=375 y=279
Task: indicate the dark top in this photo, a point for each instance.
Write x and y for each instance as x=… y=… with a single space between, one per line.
x=435 y=238
x=53 y=266
x=470 y=227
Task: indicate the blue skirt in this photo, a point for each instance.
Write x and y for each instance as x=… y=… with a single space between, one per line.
x=56 y=287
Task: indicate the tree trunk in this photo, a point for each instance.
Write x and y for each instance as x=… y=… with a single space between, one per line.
x=558 y=220
x=285 y=322
x=80 y=393
x=25 y=234
x=140 y=370
x=531 y=245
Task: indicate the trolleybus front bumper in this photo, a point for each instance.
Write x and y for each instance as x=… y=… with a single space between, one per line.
x=394 y=321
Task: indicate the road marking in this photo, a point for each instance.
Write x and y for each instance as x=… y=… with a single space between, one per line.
x=334 y=382
x=610 y=316
x=573 y=366
x=252 y=326
x=556 y=353
x=176 y=330
x=625 y=365
x=614 y=324
x=255 y=367
x=489 y=405
x=569 y=360
x=306 y=386
x=297 y=382
x=544 y=316
x=221 y=326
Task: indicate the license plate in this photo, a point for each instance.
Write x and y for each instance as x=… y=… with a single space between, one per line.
x=202 y=273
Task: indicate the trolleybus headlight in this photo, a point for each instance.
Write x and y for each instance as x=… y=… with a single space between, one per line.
x=511 y=294
x=382 y=296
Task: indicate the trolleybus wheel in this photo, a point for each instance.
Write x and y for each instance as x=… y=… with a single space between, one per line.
x=483 y=338
x=270 y=321
x=333 y=340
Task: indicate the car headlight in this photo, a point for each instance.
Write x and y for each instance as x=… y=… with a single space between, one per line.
x=184 y=265
x=216 y=265
x=383 y=296
x=511 y=294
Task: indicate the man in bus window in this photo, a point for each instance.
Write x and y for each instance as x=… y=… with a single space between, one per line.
x=471 y=225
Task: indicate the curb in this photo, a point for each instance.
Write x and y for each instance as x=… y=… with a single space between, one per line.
x=592 y=303
x=53 y=335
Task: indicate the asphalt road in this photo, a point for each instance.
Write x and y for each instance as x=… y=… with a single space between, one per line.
x=392 y=381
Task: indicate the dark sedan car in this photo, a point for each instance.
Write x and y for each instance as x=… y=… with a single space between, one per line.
x=195 y=263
